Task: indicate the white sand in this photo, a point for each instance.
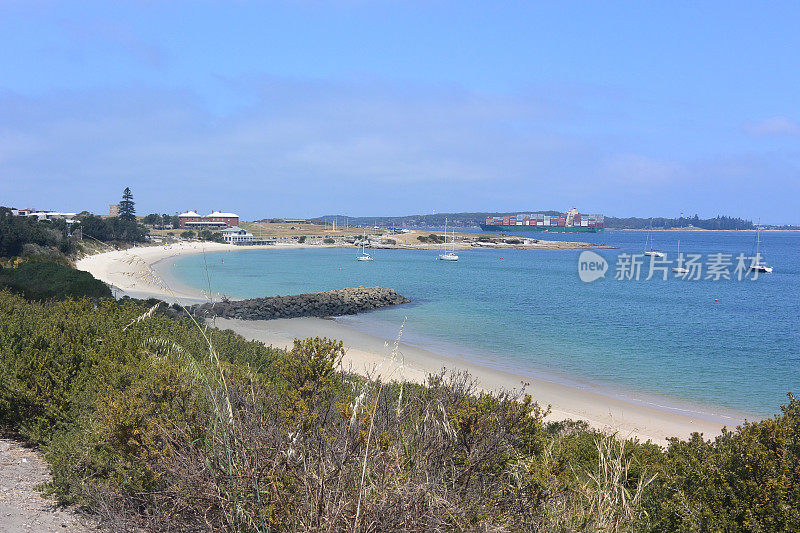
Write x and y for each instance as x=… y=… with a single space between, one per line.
x=130 y=271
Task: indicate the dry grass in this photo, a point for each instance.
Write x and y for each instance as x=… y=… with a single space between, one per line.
x=284 y=229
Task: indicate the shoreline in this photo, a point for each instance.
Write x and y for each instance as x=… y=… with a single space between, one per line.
x=135 y=272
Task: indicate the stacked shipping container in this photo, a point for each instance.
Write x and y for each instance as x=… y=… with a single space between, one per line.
x=540 y=222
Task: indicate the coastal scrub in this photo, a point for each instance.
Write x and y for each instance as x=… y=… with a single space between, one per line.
x=165 y=424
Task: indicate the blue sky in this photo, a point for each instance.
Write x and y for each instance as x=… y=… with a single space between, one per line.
x=389 y=108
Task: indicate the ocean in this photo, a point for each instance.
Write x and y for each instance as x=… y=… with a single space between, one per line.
x=712 y=343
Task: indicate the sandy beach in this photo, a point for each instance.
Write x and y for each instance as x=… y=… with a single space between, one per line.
x=131 y=272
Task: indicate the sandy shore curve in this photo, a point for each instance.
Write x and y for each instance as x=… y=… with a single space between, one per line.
x=131 y=272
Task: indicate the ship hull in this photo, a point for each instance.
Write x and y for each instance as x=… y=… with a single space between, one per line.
x=551 y=229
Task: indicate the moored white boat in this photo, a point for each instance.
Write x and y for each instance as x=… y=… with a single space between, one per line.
x=448 y=255
x=758 y=265
x=649 y=239
x=680 y=269
x=364 y=255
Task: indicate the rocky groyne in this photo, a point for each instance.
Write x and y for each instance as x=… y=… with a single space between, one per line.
x=338 y=302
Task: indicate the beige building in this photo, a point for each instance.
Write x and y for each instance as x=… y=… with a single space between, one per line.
x=113 y=210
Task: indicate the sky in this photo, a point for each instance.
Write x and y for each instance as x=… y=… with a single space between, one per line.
x=306 y=108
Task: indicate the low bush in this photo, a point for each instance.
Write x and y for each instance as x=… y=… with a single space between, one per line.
x=18 y=231
x=168 y=425
x=432 y=238
x=208 y=235
x=46 y=280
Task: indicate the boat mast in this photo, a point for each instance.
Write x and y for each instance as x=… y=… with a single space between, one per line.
x=758 y=240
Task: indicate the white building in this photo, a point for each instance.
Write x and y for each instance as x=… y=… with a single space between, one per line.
x=69 y=218
x=217 y=219
x=237 y=235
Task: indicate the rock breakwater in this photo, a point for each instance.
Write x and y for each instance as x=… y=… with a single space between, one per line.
x=348 y=301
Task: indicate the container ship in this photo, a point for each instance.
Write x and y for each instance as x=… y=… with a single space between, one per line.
x=571 y=221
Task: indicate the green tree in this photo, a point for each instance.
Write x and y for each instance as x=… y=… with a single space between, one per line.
x=126 y=206
x=16 y=232
x=208 y=235
x=154 y=219
x=112 y=229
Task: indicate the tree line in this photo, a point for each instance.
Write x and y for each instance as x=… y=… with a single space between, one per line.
x=717 y=223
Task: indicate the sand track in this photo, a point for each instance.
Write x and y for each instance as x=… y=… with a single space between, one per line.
x=22 y=507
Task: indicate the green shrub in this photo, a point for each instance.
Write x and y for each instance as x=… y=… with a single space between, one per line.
x=45 y=280
x=208 y=235
x=328 y=240
x=432 y=238
x=112 y=229
x=18 y=231
x=744 y=480
x=165 y=425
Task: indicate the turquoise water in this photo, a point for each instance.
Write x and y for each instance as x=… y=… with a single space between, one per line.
x=731 y=344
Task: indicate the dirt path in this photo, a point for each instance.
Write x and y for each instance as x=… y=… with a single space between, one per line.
x=22 y=508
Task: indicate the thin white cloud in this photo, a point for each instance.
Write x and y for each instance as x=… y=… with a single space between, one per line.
x=640 y=170
x=304 y=149
x=774 y=126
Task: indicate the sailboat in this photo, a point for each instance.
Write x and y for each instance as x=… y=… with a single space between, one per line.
x=682 y=270
x=650 y=252
x=758 y=266
x=364 y=255
x=448 y=255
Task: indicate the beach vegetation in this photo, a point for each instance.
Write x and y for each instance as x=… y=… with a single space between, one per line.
x=157 y=422
x=113 y=229
x=431 y=239
x=328 y=240
x=19 y=232
x=44 y=279
x=301 y=239
x=208 y=235
x=187 y=234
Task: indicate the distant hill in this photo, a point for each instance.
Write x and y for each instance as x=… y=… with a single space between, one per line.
x=473 y=220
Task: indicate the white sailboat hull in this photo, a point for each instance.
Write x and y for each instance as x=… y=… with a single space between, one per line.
x=759 y=267
x=448 y=255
